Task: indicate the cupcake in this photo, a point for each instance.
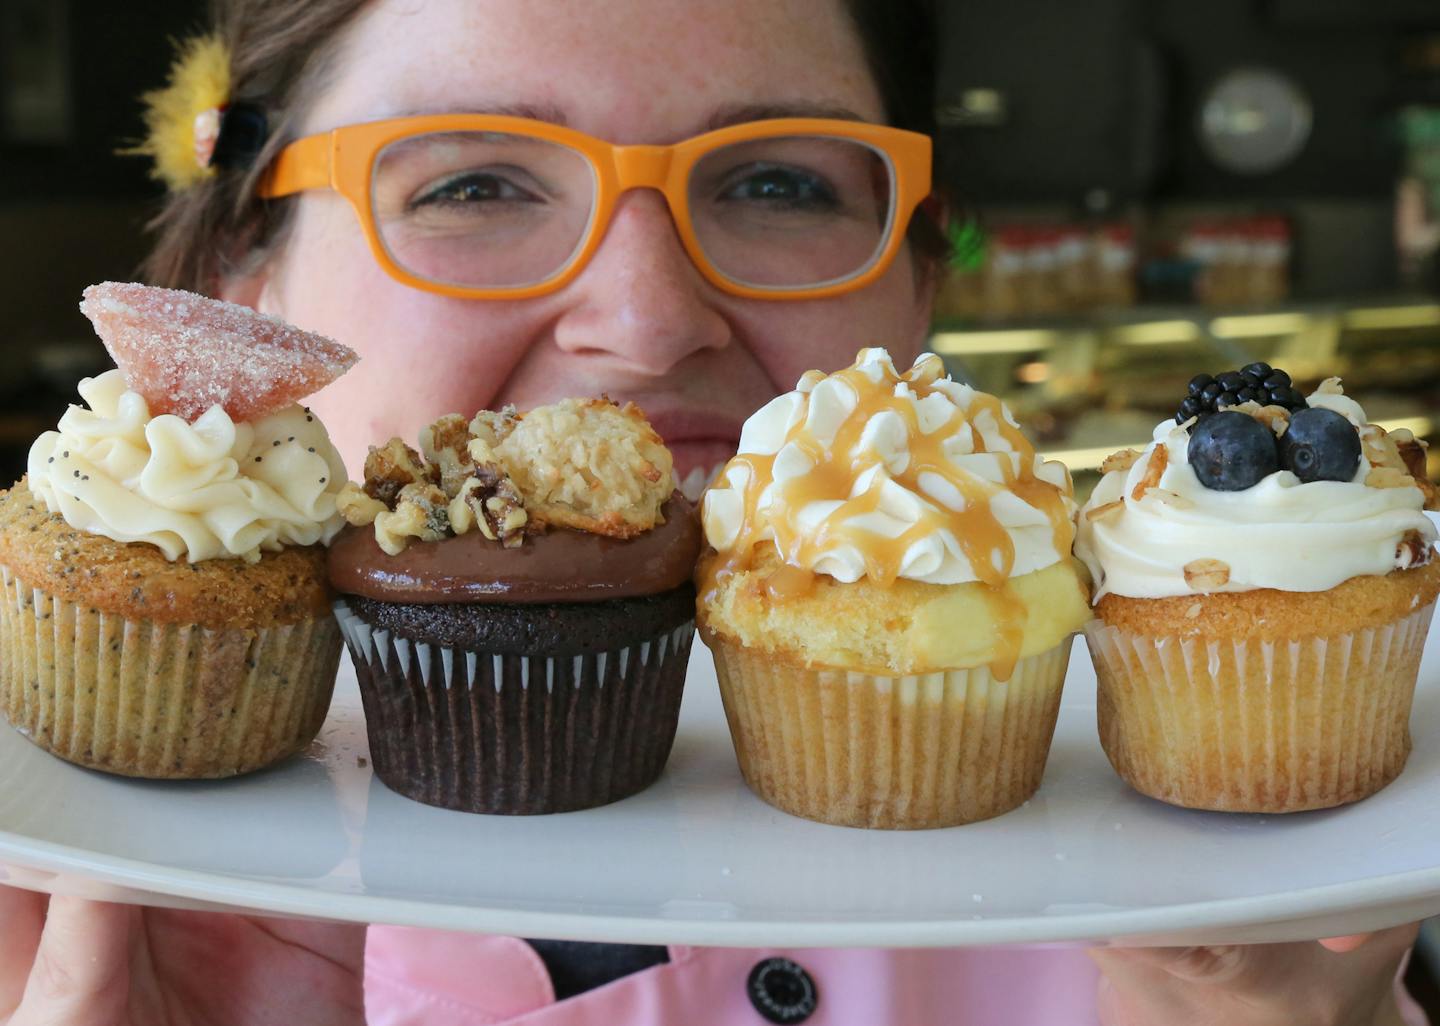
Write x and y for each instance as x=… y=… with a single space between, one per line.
x=1264 y=584
x=517 y=601
x=165 y=609
x=889 y=594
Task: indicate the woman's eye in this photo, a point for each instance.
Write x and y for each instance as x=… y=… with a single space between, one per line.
x=783 y=187
x=476 y=187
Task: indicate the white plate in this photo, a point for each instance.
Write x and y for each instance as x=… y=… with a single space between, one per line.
x=697 y=859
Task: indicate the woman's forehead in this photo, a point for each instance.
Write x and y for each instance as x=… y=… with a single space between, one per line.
x=627 y=70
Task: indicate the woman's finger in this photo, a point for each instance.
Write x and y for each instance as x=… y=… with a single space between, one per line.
x=1350 y=942
x=81 y=972
x=22 y=918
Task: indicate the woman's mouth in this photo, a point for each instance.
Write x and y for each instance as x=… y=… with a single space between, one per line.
x=701 y=443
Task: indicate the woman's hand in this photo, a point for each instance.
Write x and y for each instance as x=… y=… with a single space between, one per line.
x=73 y=962
x=1342 y=981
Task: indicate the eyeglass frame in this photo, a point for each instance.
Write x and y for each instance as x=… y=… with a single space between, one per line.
x=344 y=159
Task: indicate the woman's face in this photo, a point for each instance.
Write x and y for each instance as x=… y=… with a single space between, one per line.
x=639 y=323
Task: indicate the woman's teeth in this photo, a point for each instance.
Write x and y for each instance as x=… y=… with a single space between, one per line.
x=693 y=483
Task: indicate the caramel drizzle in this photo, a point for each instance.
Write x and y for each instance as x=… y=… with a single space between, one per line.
x=984 y=541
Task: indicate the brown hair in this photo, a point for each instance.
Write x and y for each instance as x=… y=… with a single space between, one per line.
x=281 y=52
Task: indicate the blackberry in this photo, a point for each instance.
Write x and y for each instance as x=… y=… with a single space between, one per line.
x=1256 y=383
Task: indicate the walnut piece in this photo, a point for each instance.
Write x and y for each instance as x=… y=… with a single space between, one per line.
x=389 y=468
x=490 y=502
x=446 y=445
x=358 y=509
x=1206 y=574
x=1122 y=460
x=421 y=511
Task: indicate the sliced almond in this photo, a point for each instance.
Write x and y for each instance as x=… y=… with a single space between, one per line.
x=1193 y=611
x=1330 y=386
x=1122 y=460
x=1250 y=408
x=1154 y=470
x=1276 y=418
x=1388 y=477
x=1172 y=499
x=1413 y=550
x=1101 y=512
x=1206 y=574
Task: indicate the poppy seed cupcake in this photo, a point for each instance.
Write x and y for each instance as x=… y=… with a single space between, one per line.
x=1264 y=585
x=517 y=600
x=165 y=600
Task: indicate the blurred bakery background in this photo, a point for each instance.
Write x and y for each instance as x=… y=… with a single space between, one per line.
x=1155 y=188
x=1146 y=189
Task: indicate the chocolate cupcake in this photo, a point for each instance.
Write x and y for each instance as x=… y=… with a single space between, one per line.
x=517 y=601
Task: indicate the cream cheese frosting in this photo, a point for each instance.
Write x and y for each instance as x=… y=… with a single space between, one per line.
x=1138 y=533
x=209 y=489
x=868 y=472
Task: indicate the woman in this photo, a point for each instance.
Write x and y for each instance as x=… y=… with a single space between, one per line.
x=638 y=321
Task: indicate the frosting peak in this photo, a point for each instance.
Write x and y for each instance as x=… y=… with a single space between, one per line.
x=202 y=490
x=870 y=472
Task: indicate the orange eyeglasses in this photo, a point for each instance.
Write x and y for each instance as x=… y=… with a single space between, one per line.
x=495 y=207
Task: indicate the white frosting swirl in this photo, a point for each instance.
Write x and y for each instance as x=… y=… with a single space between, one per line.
x=888 y=497
x=209 y=489
x=1280 y=533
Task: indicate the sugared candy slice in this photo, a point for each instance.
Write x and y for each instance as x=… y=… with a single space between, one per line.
x=185 y=353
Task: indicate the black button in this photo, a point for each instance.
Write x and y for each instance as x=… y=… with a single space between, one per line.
x=781 y=991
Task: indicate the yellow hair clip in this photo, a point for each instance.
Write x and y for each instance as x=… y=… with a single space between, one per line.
x=183 y=120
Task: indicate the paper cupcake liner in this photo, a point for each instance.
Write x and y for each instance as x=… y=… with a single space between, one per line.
x=896 y=753
x=517 y=735
x=167 y=701
x=1255 y=725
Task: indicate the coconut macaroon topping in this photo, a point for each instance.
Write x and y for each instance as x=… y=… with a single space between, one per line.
x=585 y=464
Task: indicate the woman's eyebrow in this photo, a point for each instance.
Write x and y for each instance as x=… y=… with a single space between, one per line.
x=541 y=112
x=738 y=114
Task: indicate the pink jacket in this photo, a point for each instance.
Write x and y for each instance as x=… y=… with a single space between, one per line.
x=432 y=978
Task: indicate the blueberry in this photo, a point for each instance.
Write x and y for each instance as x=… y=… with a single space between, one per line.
x=1260 y=370
x=1231 y=381
x=1320 y=445
x=1277 y=379
x=1230 y=452
x=1226 y=398
x=1198 y=383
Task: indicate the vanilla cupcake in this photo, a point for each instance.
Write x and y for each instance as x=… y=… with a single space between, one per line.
x=517 y=600
x=889 y=595
x=165 y=610
x=1264 y=585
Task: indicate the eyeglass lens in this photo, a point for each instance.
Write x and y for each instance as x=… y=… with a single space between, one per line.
x=503 y=210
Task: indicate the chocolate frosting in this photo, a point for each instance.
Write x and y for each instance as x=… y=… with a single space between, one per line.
x=558 y=566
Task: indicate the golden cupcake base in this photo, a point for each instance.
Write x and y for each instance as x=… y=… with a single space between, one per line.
x=168 y=701
x=896 y=753
x=1242 y=724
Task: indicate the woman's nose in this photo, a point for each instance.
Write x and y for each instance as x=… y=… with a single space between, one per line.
x=640 y=299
